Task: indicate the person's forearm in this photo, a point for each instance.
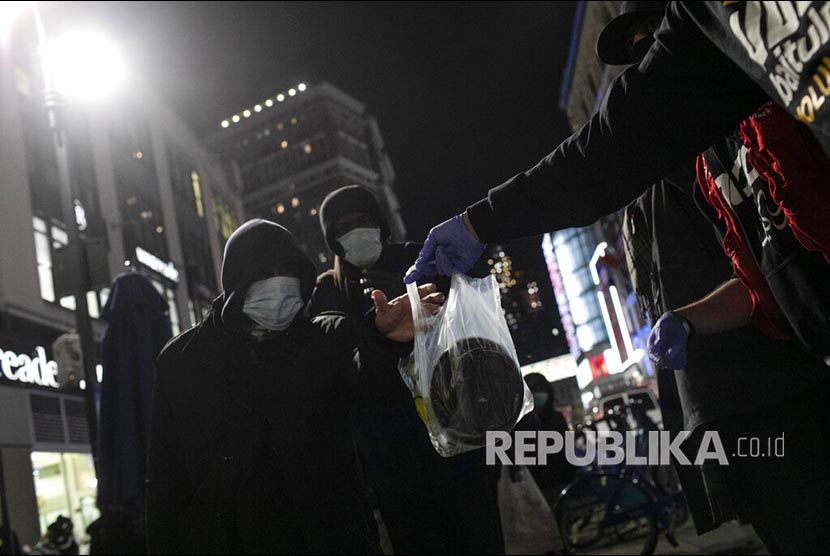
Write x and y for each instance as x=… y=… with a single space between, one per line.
x=726 y=308
x=654 y=119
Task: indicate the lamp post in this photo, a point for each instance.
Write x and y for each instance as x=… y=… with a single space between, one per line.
x=75 y=65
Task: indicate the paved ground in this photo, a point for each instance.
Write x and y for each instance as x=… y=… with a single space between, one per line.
x=730 y=538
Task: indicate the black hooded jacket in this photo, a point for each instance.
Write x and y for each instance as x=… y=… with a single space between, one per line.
x=251 y=448
x=451 y=508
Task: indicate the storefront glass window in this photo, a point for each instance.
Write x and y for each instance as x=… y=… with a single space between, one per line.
x=65 y=485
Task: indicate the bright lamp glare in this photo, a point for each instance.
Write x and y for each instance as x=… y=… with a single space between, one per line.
x=83 y=65
x=9 y=11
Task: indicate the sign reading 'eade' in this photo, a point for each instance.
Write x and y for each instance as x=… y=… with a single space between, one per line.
x=19 y=367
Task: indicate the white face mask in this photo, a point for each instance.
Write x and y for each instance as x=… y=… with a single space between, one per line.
x=273 y=303
x=362 y=246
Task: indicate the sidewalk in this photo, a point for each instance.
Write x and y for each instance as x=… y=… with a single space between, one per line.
x=730 y=538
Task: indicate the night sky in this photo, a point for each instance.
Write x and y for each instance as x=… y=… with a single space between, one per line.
x=466 y=94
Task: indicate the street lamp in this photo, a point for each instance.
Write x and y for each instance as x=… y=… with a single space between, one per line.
x=82 y=66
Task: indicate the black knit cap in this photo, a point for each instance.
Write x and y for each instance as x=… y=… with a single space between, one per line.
x=611 y=41
x=252 y=253
x=349 y=200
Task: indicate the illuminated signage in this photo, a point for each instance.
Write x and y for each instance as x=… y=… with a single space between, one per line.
x=561 y=296
x=19 y=367
x=166 y=269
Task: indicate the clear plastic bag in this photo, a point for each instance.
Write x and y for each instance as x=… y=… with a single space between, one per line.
x=464 y=373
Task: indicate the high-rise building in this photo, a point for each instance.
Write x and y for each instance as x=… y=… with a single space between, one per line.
x=285 y=153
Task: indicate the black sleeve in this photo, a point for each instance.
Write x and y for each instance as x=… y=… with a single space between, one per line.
x=653 y=119
x=168 y=489
x=368 y=359
x=326 y=297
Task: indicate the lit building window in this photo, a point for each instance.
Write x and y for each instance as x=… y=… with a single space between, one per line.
x=92 y=304
x=47 y=239
x=175 y=323
x=191 y=312
x=197 y=193
x=43 y=254
x=224 y=219
x=170 y=297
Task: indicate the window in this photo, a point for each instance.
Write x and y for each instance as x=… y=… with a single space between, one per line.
x=43 y=253
x=49 y=237
x=197 y=194
x=224 y=219
x=170 y=296
x=175 y=323
x=65 y=485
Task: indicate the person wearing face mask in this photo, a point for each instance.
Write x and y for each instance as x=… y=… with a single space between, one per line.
x=251 y=449
x=357 y=232
x=451 y=508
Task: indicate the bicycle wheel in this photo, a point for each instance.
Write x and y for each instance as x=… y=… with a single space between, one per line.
x=604 y=509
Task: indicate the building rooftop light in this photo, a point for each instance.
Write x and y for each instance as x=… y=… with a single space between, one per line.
x=301 y=87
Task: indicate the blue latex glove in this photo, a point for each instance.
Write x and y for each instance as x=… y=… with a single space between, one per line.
x=667 y=341
x=449 y=248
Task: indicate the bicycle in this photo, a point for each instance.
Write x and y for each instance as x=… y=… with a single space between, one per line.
x=609 y=505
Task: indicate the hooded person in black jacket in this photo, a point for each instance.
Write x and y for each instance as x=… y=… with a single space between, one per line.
x=251 y=450
x=451 y=507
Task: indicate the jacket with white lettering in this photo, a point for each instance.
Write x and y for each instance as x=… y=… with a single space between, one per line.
x=788 y=283
x=783 y=46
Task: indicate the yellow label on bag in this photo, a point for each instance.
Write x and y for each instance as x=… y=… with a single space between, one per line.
x=421 y=409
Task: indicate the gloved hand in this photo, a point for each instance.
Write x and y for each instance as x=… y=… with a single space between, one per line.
x=668 y=340
x=449 y=248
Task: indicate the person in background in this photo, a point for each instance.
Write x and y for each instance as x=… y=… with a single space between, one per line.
x=251 y=448
x=558 y=471
x=429 y=504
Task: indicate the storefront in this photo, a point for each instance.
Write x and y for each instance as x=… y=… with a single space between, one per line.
x=45 y=455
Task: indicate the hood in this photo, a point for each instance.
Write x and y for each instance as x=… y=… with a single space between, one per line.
x=129 y=291
x=348 y=200
x=251 y=253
